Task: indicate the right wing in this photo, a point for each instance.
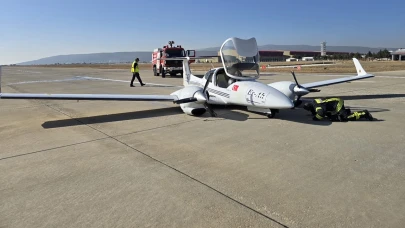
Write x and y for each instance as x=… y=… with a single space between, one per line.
x=361 y=74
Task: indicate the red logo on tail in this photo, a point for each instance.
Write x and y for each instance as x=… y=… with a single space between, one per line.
x=235 y=87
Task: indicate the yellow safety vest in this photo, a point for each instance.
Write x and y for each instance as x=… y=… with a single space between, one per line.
x=318 y=101
x=319 y=117
x=339 y=105
x=135 y=70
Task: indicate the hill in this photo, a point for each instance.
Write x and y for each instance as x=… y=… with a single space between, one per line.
x=114 y=57
x=125 y=57
x=353 y=49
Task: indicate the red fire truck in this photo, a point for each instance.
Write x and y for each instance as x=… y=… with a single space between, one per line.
x=171 y=67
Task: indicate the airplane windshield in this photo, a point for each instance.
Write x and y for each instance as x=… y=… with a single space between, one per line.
x=240 y=58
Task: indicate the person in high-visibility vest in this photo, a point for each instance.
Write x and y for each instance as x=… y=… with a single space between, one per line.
x=334 y=109
x=135 y=73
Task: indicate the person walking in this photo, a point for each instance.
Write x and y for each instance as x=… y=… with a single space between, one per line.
x=135 y=73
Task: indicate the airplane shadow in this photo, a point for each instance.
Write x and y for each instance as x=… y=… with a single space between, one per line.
x=227 y=113
x=168 y=111
x=295 y=115
x=113 y=117
x=300 y=115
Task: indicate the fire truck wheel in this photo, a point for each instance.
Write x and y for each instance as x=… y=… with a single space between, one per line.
x=155 y=73
x=162 y=72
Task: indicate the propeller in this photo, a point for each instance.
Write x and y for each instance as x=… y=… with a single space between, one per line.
x=200 y=96
x=301 y=90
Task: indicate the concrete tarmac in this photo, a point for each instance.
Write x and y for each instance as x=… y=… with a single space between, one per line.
x=147 y=164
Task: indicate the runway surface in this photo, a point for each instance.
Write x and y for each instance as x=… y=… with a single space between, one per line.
x=147 y=164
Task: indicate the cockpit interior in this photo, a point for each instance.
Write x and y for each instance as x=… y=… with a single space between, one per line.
x=221 y=79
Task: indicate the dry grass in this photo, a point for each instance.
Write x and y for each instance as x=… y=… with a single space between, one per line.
x=340 y=67
x=346 y=67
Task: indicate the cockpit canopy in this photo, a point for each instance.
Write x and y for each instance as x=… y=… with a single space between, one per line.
x=240 y=58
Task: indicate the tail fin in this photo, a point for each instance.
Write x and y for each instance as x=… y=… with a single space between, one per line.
x=359 y=69
x=186 y=67
x=0 y=80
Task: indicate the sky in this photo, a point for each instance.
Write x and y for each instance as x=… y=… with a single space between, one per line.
x=33 y=29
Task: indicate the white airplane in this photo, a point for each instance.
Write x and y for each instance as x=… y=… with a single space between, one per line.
x=221 y=86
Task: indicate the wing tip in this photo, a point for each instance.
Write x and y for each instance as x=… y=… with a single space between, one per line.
x=359 y=68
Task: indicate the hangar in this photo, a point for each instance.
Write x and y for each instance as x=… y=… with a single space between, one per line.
x=271 y=56
x=298 y=54
x=398 y=55
x=282 y=55
x=265 y=56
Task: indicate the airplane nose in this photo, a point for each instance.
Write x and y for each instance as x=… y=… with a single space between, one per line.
x=277 y=100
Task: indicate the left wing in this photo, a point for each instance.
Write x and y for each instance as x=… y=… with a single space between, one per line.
x=112 y=97
x=361 y=74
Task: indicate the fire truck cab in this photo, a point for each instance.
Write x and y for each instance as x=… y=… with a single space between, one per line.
x=171 y=67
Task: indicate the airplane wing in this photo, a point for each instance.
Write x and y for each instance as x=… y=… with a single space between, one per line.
x=335 y=81
x=361 y=74
x=112 y=97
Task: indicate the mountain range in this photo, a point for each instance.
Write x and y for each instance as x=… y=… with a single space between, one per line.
x=125 y=57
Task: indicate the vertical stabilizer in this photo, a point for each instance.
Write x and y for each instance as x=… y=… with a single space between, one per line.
x=359 y=68
x=186 y=72
x=0 y=79
x=186 y=67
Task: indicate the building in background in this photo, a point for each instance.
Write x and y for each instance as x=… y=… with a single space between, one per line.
x=272 y=56
x=398 y=55
x=323 y=48
x=280 y=55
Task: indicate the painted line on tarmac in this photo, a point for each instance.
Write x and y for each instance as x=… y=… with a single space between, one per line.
x=42 y=81
x=117 y=80
x=83 y=78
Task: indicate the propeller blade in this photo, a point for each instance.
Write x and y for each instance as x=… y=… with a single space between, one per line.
x=206 y=83
x=301 y=87
x=208 y=95
x=295 y=79
x=185 y=100
x=297 y=102
x=209 y=109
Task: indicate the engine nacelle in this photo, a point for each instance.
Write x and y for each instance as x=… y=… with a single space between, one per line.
x=285 y=87
x=191 y=108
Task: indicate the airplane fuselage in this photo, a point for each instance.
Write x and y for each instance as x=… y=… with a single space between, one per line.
x=245 y=93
